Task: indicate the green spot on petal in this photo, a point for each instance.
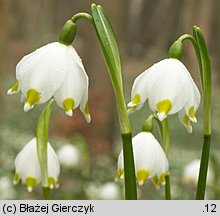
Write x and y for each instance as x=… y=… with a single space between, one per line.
x=68 y=104
x=86 y=109
x=33 y=96
x=164 y=106
x=156 y=182
x=30 y=183
x=16 y=178
x=186 y=120
x=142 y=175
x=122 y=173
x=162 y=178
x=51 y=182
x=136 y=99
x=191 y=112
x=14 y=88
x=119 y=174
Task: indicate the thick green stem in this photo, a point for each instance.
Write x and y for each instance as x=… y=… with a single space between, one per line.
x=167 y=188
x=130 y=182
x=124 y=122
x=125 y=129
x=200 y=194
x=46 y=193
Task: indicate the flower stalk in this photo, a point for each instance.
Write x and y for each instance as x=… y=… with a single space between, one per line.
x=203 y=59
x=42 y=140
x=111 y=55
x=165 y=139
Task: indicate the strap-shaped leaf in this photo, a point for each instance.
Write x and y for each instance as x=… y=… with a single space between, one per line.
x=206 y=77
x=205 y=60
x=108 y=44
x=42 y=140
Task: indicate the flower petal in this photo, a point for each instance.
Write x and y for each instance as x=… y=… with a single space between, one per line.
x=27 y=163
x=149 y=159
x=184 y=119
x=53 y=167
x=169 y=86
x=44 y=70
x=74 y=89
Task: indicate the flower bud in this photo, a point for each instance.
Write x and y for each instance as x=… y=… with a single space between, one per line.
x=176 y=50
x=67 y=33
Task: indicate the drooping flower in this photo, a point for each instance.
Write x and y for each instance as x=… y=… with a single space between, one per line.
x=149 y=159
x=54 y=70
x=27 y=166
x=69 y=155
x=191 y=174
x=169 y=88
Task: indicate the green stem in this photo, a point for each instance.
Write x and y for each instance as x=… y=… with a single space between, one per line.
x=124 y=122
x=200 y=194
x=82 y=15
x=130 y=182
x=164 y=134
x=125 y=129
x=46 y=193
x=165 y=138
x=167 y=188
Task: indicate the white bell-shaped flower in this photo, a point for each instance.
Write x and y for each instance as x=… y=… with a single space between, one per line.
x=191 y=174
x=149 y=159
x=54 y=70
x=69 y=155
x=169 y=88
x=27 y=166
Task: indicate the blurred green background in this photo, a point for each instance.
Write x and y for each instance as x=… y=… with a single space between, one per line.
x=145 y=29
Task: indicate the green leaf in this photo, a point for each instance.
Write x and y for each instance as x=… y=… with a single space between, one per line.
x=206 y=65
x=42 y=140
x=108 y=44
x=206 y=77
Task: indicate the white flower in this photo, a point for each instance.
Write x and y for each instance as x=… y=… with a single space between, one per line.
x=27 y=166
x=109 y=191
x=169 y=88
x=149 y=159
x=69 y=155
x=191 y=174
x=54 y=70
